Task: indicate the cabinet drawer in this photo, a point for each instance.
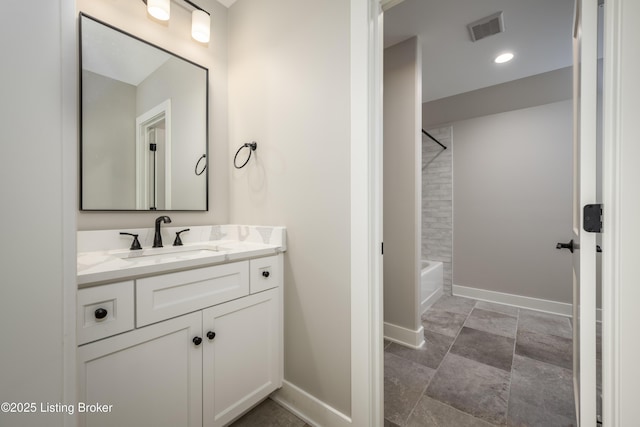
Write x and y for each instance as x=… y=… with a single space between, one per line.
x=265 y=273
x=170 y=295
x=104 y=311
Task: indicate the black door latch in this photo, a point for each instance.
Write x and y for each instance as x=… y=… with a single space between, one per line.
x=592 y=218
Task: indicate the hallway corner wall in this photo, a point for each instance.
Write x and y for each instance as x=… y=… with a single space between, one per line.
x=402 y=185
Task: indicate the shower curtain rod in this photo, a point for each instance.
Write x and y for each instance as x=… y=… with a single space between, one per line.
x=436 y=141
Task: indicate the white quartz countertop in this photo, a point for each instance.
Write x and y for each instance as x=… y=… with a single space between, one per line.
x=99 y=266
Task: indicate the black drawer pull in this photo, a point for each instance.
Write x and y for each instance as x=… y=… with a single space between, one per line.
x=100 y=313
x=265 y=274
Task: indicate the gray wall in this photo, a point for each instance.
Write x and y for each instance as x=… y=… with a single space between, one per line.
x=289 y=90
x=545 y=88
x=188 y=130
x=37 y=110
x=108 y=151
x=402 y=183
x=437 y=201
x=175 y=36
x=512 y=202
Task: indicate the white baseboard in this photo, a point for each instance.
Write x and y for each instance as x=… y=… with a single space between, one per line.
x=547 y=306
x=310 y=409
x=428 y=301
x=404 y=336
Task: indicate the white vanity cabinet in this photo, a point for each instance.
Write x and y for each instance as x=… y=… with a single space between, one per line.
x=202 y=367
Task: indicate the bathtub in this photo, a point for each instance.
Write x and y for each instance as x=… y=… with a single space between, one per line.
x=431 y=279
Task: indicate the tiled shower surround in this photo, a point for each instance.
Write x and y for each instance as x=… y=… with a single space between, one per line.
x=437 y=200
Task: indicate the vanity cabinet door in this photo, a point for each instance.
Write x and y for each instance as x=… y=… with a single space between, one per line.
x=151 y=376
x=242 y=363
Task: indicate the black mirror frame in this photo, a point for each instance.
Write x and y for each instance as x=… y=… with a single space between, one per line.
x=80 y=152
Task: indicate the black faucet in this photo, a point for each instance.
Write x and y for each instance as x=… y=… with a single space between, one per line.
x=157 y=239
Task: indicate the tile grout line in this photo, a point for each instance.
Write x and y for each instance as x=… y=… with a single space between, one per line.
x=513 y=357
x=439 y=364
x=546 y=363
x=404 y=422
x=458 y=334
x=463 y=323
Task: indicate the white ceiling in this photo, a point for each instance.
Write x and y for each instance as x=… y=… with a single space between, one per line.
x=538 y=32
x=227 y=3
x=116 y=55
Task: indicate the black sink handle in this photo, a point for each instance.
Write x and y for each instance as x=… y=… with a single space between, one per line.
x=178 y=241
x=135 y=245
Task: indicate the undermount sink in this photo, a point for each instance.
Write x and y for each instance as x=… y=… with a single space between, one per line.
x=174 y=253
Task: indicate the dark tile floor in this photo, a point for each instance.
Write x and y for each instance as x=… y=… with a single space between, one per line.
x=269 y=414
x=483 y=364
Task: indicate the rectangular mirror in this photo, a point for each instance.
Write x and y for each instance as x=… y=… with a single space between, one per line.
x=144 y=124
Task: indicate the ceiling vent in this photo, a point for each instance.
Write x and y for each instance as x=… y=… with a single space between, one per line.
x=486 y=27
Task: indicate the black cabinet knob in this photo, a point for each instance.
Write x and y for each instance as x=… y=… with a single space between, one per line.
x=265 y=274
x=211 y=335
x=197 y=340
x=100 y=313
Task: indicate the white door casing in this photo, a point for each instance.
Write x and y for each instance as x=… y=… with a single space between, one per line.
x=621 y=231
x=366 y=214
x=144 y=122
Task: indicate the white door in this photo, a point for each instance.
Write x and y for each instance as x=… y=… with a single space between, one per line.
x=584 y=192
x=242 y=355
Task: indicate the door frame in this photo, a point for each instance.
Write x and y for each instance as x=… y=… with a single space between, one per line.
x=621 y=231
x=145 y=121
x=367 y=360
x=617 y=280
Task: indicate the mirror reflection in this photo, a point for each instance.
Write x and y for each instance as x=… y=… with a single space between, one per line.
x=144 y=124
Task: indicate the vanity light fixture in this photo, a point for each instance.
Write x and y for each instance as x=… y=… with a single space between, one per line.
x=200 y=18
x=200 y=25
x=159 y=9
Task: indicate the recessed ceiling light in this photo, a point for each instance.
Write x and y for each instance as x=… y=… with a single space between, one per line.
x=505 y=57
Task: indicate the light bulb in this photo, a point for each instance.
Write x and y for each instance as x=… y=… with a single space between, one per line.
x=159 y=9
x=200 y=26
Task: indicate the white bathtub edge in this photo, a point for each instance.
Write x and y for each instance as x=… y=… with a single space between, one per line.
x=428 y=302
x=404 y=336
x=435 y=264
x=547 y=306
